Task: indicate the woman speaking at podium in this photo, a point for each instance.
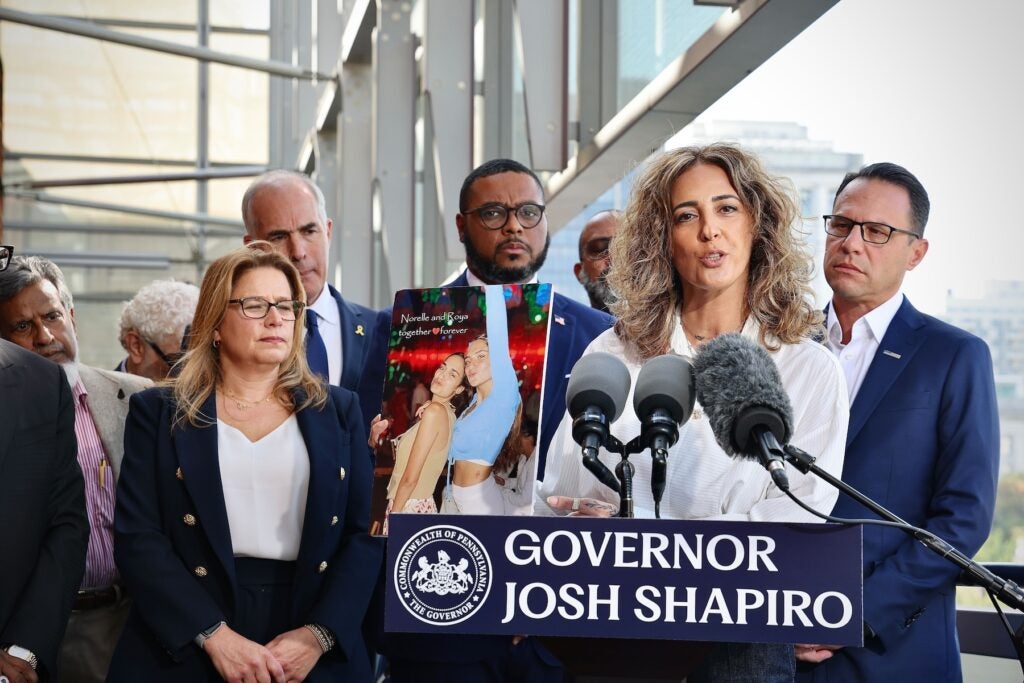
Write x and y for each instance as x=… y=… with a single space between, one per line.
x=708 y=246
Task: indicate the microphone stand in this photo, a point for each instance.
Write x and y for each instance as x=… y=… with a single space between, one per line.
x=1005 y=590
x=624 y=471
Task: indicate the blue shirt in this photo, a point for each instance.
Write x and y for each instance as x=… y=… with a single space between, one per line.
x=480 y=432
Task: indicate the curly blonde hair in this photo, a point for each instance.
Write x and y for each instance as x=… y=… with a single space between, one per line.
x=649 y=289
x=201 y=369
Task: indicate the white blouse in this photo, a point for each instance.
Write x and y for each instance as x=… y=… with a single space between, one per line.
x=702 y=481
x=265 y=485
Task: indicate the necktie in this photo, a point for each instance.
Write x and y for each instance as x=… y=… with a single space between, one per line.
x=316 y=352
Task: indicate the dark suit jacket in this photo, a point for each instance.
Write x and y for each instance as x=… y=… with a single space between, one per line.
x=42 y=505
x=364 y=333
x=160 y=556
x=924 y=442
x=573 y=327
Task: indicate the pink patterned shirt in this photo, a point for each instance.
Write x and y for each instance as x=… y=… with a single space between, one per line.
x=100 y=570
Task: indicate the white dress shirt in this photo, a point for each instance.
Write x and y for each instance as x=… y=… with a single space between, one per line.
x=474 y=281
x=702 y=481
x=265 y=486
x=329 y=321
x=867 y=333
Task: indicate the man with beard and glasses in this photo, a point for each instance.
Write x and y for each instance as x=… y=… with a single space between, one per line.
x=502 y=224
x=37 y=313
x=503 y=227
x=592 y=270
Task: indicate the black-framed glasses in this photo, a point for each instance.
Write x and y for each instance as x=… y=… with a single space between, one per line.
x=169 y=358
x=6 y=253
x=870 y=231
x=257 y=308
x=495 y=216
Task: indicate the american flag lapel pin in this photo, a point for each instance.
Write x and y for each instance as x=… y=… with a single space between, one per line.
x=560 y=320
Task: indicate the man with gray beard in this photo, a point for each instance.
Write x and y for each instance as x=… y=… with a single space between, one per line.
x=37 y=313
x=592 y=270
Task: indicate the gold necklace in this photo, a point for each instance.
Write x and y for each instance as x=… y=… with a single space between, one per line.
x=243 y=404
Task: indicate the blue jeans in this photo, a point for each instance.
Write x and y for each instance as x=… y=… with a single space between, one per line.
x=746 y=663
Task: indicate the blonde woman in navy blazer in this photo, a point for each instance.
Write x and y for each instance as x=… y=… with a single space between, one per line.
x=209 y=603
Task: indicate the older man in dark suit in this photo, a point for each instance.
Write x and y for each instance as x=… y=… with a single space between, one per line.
x=287 y=209
x=37 y=313
x=42 y=512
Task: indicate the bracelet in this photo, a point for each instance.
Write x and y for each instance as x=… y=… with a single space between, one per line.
x=323 y=636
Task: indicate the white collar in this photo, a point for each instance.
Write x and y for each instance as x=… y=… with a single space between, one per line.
x=877 y=319
x=326 y=308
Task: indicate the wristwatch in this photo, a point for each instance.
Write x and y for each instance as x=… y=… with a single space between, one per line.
x=203 y=636
x=23 y=653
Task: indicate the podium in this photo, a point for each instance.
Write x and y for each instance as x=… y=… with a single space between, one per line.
x=581 y=584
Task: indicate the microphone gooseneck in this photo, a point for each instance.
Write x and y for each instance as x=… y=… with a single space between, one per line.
x=595 y=397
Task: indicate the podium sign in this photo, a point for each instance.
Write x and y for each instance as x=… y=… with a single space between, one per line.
x=625 y=578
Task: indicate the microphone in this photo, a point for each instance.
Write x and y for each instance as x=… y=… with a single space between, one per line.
x=749 y=411
x=663 y=400
x=595 y=397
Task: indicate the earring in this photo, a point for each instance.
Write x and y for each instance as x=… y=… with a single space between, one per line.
x=216 y=343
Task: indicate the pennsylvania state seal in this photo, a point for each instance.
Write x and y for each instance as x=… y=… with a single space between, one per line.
x=443 y=575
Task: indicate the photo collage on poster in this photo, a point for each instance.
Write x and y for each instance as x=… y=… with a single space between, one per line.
x=462 y=397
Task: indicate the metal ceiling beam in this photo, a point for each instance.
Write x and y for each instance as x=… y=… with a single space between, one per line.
x=739 y=42
x=163 y=25
x=197 y=174
x=90 y=29
x=120 y=208
x=10 y=155
x=100 y=229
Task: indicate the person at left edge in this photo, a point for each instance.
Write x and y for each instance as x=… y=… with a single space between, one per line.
x=45 y=528
x=241 y=524
x=37 y=312
x=287 y=209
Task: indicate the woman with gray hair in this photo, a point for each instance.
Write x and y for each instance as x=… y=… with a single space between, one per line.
x=707 y=247
x=152 y=326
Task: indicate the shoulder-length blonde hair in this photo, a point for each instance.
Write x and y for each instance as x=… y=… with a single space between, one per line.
x=649 y=289
x=201 y=366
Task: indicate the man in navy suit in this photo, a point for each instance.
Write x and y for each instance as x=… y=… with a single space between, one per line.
x=923 y=438
x=502 y=224
x=287 y=209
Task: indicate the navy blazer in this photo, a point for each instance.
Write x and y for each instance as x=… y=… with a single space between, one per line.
x=42 y=505
x=363 y=358
x=923 y=441
x=182 y=576
x=573 y=327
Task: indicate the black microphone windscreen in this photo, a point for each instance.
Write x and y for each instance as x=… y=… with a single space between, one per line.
x=601 y=380
x=665 y=382
x=739 y=387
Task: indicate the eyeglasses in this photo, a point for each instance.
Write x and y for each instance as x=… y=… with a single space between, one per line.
x=597 y=249
x=495 y=216
x=870 y=232
x=169 y=358
x=257 y=308
x=6 y=252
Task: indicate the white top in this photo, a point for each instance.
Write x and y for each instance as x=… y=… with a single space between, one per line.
x=518 y=491
x=265 y=486
x=702 y=481
x=474 y=281
x=867 y=333
x=329 y=321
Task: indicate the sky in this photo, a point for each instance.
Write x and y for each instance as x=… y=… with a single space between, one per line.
x=934 y=85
